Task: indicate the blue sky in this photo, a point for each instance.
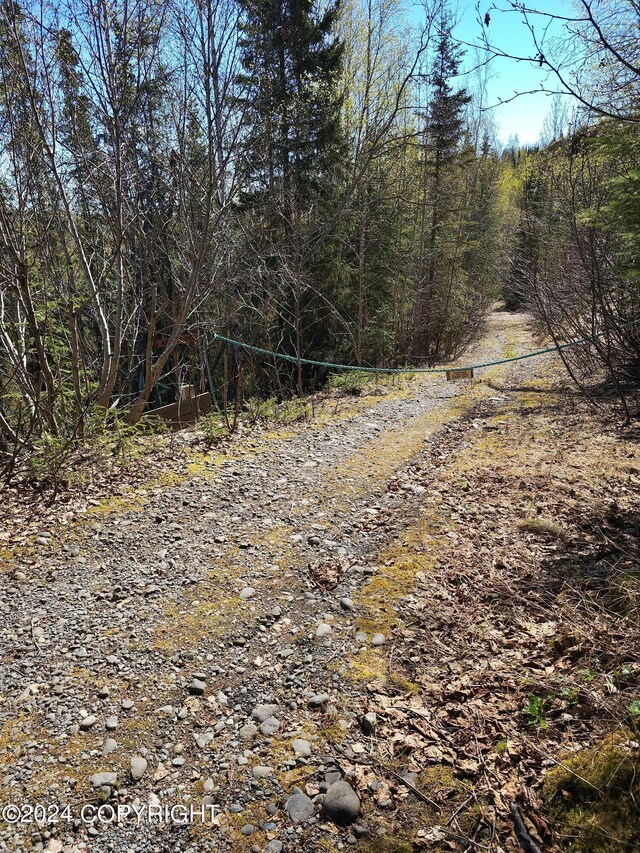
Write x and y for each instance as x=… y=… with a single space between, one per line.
x=525 y=115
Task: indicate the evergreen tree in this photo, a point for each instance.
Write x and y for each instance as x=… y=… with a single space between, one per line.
x=291 y=65
x=292 y=156
x=442 y=157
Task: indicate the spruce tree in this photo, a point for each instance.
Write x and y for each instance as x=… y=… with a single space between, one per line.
x=292 y=154
x=443 y=140
x=291 y=64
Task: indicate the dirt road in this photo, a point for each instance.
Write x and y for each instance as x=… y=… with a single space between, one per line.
x=307 y=633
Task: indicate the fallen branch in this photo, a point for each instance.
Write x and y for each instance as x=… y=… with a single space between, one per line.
x=526 y=841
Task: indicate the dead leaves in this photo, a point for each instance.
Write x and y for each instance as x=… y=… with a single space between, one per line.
x=327 y=573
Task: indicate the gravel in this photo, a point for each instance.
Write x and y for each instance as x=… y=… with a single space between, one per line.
x=191 y=620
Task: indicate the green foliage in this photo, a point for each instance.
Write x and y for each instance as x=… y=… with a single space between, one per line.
x=589 y=674
x=634 y=712
x=287 y=412
x=213 y=428
x=536 y=710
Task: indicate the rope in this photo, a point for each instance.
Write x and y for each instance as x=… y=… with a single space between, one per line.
x=335 y=366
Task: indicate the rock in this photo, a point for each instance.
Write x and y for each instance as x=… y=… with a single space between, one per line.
x=341 y=804
x=313 y=540
x=346 y=603
x=368 y=723
x=110 y=745
x=88 y=722
x=111 y=723
x=262 y=772
x=127 y=704
x=274 y=846
x=378 y=640
x=263 y=712
x=103 y=692
x=301 y=747
x=197 y=687
x=138 y=767
x=318 y=700
x=323 y=630
x=248 y=731
x=247 y=592
x=247 y=829
x=270 y=726
x=299 y=807
x=99 y=780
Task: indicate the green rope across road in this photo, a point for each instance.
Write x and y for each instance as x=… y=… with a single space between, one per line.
x=334 y=366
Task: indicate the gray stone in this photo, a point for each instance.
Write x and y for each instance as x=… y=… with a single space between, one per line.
x=299 y=807
x=197 y=687
x=274 y=846
x=263 y=712
x=247 y=592
x=111 y=723
x=261 y=771
x=318 y=700
x=99 y=780
x=138 y=767
x=323 y=630
x=301 y=747
x=341 y=804
x=110 y=745
x=368 y=723
x=378 y=640
x=270 y=726
x=346 y=603
x=247 y=829
x=248 y=731
x=88 y=722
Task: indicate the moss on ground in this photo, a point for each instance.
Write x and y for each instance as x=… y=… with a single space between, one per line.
x=594 y=797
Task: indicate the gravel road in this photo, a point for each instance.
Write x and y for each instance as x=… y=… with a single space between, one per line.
x=193 y=649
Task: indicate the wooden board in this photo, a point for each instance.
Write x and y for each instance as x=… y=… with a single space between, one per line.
x=462 y=373
x=183 y=411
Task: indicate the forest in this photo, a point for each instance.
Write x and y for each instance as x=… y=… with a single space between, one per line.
x=320 y=179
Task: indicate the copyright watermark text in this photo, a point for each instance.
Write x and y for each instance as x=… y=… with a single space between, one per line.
x=89 y=813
